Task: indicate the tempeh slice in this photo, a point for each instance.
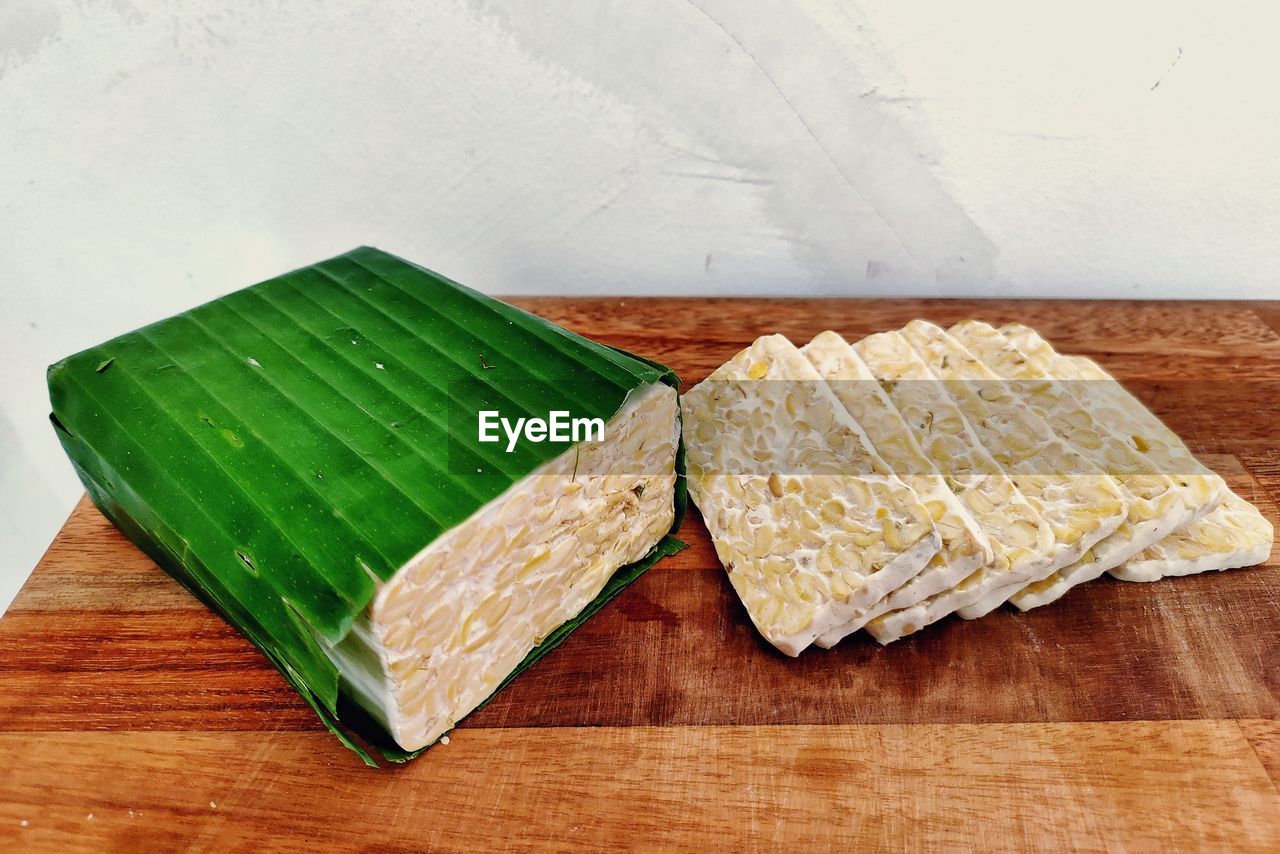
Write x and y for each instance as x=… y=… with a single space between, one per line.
x=811 y=525
x=1232 y=535
x=1150 y=435
x=1112 y=404
x=1157 y=504
x=1023 y=544
x=1083 y=504
x=965 y=546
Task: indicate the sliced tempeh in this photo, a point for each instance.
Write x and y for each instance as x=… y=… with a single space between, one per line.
x=1112 y=404
x=1150 y=435
x=965 y=546
x=1157 y=504
x=1023 y=545
x=1083 y=504
x=812 y=526
x=1232 y=535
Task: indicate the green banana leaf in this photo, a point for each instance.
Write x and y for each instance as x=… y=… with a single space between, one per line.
x=281 y=449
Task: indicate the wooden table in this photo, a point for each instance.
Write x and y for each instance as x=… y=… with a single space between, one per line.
x=1125 y=715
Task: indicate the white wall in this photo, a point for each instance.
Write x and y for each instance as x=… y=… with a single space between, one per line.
x=153 y=155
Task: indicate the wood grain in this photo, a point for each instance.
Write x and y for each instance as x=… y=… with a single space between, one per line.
x=1116 y=785
x=1264 y=737
x=1125 y=716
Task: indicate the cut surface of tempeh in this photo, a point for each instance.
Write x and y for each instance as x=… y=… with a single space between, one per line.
x=965 y=546
x=447 y=629
x=811 y=525
x=1233 y=535
x=1157 y=504
x=1082 y=504
x=1023 y=543
x=1145 y=432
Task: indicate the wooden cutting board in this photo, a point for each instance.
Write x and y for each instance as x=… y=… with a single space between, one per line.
x=1125 y=715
